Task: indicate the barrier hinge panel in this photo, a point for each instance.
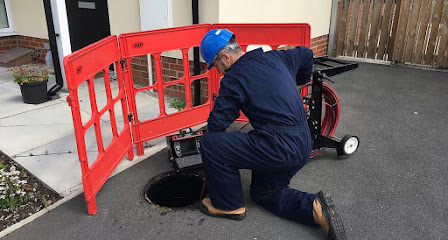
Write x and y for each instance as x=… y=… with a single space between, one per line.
x=72 y=103
x=130 y=117
x=122 y=62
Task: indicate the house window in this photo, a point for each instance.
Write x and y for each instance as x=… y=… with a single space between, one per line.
x=5 y=17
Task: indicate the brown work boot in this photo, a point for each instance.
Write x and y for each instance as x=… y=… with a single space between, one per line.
x=325 y=215
x=206 y=207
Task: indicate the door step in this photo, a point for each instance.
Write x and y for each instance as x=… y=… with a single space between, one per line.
x=15 y=57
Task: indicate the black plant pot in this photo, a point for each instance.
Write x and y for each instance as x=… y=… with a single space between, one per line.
x=34 y=92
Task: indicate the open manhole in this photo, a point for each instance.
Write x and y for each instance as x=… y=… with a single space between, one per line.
x=175 y=189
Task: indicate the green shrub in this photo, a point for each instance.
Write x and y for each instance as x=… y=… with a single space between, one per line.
x=179 y=105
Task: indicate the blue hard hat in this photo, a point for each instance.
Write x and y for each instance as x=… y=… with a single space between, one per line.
x=212 y=42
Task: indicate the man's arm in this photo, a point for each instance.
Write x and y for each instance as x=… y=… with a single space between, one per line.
x=227 y=106
x=300 y=62
x=305 y=67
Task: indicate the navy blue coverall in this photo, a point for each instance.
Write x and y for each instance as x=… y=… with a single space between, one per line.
x=263 y=86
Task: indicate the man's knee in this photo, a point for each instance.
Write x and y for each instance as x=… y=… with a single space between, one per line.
x=208 y=147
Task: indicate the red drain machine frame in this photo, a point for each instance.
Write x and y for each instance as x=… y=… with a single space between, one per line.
x=82 y=66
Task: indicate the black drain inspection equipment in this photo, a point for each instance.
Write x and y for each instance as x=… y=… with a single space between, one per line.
x=184 y=149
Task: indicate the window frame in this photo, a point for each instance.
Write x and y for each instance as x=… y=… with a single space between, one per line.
x=9 y=29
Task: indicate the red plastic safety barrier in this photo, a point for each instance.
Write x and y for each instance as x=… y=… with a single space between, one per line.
x=82 y=66
x=154 y=43
x=274 y=35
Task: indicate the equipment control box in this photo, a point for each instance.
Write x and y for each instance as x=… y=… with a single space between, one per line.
x=184 y=149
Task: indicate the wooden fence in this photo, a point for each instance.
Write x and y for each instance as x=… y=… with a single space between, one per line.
x=407 y=31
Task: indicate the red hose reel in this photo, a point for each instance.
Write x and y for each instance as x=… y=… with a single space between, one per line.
x=330 y=119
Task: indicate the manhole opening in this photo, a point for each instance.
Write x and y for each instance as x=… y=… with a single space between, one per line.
x=175 y=189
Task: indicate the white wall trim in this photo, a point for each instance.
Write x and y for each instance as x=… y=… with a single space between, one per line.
x=9 y=29
x=9 y=33
x=60 y=21
x=170 y=13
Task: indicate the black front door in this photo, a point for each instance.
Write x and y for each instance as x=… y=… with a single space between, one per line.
x=88 y=22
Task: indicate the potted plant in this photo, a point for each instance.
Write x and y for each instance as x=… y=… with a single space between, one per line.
x=33 y=82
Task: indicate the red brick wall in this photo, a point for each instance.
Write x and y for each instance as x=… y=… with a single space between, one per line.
x=139 y=67
x=36 y=44
x=7 y=43
x=319 y=45
x=172 y=69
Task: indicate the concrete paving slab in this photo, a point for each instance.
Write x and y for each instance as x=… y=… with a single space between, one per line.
x=8 y=92
x=3 y=69
x=57 y=113
x=58 y=171
x=30 y=137
x=13 y=104
x=6 y=77
x=36 y=127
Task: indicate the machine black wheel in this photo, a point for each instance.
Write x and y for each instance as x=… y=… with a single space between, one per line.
x=349 y=144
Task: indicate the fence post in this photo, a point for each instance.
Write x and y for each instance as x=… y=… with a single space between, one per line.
x=333 y=23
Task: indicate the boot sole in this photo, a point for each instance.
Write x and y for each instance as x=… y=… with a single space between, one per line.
x=205 y=210
x=337 y=230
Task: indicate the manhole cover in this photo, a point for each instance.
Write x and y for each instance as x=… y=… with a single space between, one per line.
x=175 y=189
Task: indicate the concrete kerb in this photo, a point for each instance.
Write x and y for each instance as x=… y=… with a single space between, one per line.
x=75 y=191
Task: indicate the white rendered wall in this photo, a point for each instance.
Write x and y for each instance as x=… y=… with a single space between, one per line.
x=314 y=12
x=124 y=16
x=28 y=18
x=208 y=11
